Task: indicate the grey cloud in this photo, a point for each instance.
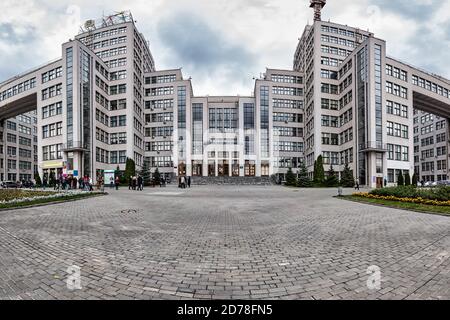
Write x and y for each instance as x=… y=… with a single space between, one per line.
x=405 y=8
x=9 y=35
x=195 y=45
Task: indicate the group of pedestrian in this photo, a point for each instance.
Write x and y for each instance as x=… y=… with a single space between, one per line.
x=162 y=182
x=71 y=183
x=114 y=183
x=136 y=183
x=184 y=181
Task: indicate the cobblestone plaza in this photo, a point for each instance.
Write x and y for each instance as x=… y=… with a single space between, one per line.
x=222 y=242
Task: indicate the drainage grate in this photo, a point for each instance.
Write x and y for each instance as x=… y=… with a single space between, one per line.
x=128 y=211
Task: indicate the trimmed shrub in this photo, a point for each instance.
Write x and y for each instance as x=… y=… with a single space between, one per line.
x=319 y=171
x=414 y=180
x=304 y=181
x=331 y=180
x=400 y=180
x=407 y=180
x=291 y=179
x=440 y=193
x=347 y=179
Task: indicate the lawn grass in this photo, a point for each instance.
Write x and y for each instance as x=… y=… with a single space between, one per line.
x=38 y=202
x=443 y=210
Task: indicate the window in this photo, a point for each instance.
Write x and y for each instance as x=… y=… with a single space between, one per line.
x=118 y=104
x=51 y=74
x=51 y=92
x=52 y=152
x=118 y=138
x=396 y=90
x=52 y=130
x=398 y=153
x=52 y=110
x=118 y=121
x=397 y=130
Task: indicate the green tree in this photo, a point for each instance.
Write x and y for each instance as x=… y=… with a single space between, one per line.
x=304 y=181
x=130 y=169
x=156 y=177
x=331 y=180
x=319 y=171
x=407 y=179
x=347 y=179
x=37 y=178
x=414 y=180
x=145 y=173
x=52 y=179
x=400 y=180
x=291 y=179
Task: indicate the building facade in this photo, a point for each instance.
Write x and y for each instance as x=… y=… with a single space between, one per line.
x=105 y=101
x=18 y=148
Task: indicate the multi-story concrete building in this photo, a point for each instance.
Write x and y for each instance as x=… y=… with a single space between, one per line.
x=430 y=147
x=224 y=136
x=104 y=101
x=18 y=148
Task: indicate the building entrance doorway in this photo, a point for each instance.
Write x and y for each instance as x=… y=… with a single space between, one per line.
x=223 y=168
x=379 y=183
x=182 y=169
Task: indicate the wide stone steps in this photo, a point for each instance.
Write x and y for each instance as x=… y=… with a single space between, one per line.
x=265 y=181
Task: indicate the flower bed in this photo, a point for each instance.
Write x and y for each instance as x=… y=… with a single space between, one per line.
x=12 y=198
x=417 y=200
x=439 y=193
x=8 y=195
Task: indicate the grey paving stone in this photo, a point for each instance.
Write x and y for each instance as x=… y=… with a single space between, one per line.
x=228 y=242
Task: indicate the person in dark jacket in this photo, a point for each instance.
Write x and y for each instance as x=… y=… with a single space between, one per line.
x=140 y=183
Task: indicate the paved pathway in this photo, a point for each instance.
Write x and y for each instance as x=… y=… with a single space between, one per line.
x=223 y=242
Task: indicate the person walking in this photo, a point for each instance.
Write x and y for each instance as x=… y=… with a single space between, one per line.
x=357 y=185
x=130 y=183
x=117 y=182
x=85 y=183
x=80 y=183
x=111 y=183
x=189 y=181
x=44 y=182
x=183 y=182
x=90 y=184
x=140 y=183
x=57 y=184
x=134 y=183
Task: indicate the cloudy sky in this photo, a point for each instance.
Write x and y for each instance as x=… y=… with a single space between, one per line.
x=223 y=44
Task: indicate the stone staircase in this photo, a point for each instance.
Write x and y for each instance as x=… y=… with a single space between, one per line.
x=255 y=181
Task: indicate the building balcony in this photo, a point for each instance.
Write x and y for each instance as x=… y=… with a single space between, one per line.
x=373 y=146
x=75 y=146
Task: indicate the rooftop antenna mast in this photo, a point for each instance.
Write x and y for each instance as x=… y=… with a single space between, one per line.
x=317 y=5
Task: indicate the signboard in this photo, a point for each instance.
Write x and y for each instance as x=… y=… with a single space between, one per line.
x=75 y=173
x=108 y=176
x=52 y=164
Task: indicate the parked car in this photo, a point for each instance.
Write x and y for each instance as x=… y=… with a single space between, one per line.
x=28 y=184
x=430 y=184
x=443 y=183
x=10 y=185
